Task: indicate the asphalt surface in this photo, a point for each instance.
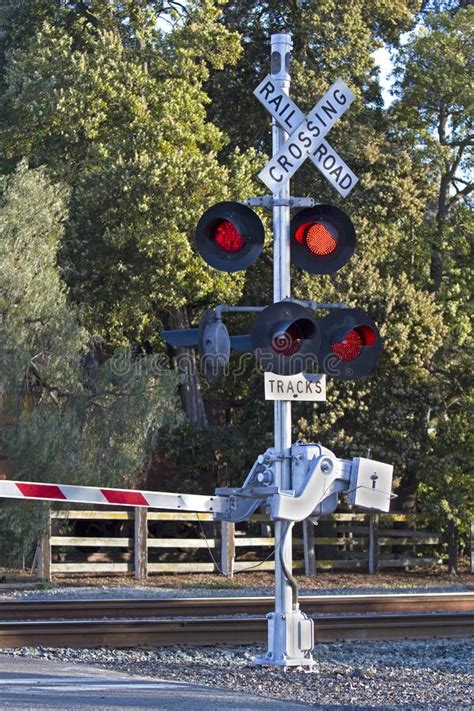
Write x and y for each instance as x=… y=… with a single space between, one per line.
x=39 y=684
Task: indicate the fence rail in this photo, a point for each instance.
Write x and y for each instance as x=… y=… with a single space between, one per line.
x=340 y=541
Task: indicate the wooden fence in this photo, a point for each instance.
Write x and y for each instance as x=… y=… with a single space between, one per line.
x=348 y=541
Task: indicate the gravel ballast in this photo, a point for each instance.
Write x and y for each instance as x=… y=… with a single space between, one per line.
x=128 y=592
x=406 y=674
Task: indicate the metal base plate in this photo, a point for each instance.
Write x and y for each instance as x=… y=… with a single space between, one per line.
x=294 y=662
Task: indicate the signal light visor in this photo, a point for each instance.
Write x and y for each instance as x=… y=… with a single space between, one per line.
x=286 y=338
x=289 y=339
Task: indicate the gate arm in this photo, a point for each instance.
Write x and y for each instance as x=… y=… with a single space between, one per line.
x=112 y=497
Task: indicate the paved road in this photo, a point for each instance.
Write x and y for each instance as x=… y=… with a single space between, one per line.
x=38 y=684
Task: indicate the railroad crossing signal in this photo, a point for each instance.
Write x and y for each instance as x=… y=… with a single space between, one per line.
x=291 y=481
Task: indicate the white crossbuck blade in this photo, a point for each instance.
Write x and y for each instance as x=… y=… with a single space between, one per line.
x=306 y=136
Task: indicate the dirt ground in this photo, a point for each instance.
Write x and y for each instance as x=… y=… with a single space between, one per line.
x=428 y=578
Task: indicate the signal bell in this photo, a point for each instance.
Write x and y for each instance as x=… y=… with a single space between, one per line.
x=350 y=344
x=286 y=338
x=229 y=236
x=322 y=239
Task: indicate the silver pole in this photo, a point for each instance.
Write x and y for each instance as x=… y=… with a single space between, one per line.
x=290 y=632
x=281 y=46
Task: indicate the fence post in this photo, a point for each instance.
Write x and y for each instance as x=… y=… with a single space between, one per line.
x=452 y=547
x=140 y=543
x=373 y=543
x=44 y=557
x=228 y=548
x=308 y=548
x=472 y=545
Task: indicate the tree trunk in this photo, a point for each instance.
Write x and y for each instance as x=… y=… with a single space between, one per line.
x=186 y=365
x=406 y=492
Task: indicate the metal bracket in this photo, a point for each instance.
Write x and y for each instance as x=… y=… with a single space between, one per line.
x=268 y=202
x=316 y=305
x=224 y=308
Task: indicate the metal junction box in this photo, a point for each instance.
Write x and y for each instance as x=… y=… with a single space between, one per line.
x=370 y=484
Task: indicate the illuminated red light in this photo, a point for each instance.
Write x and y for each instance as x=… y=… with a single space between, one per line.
x=289 y=342
x=317 y=238
x=228 y=238
x=351 y=346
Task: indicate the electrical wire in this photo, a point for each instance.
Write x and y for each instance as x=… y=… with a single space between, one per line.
x=288 y=575
x=250 y=567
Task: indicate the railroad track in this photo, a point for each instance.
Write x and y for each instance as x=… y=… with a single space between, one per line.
x=210 y=607
x=231 y=630
x=204 y=621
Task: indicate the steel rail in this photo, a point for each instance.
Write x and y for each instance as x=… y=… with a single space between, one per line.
x=231 y=630
x=183 y=607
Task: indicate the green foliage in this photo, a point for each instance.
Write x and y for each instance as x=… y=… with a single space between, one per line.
x=435 y=73
x=447 y=489
x=126 y=130
x=70 y=413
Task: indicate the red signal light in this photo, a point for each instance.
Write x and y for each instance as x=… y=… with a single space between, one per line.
x=317 y=238
x=353 y=342
x=350 y=344
x=322 y=239
x=228 y=238
x=368 y=335
x=288 y=342
x=350 y=348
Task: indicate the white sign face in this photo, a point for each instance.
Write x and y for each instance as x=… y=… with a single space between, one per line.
x=279 y=105
x=307 y=135
x=334 y=169
x=303 y=386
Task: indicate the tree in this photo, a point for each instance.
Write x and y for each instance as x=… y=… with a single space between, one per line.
x=433 y=114
x=330 y=40
x=68 y=415
x=436 y=101
x=116 y=110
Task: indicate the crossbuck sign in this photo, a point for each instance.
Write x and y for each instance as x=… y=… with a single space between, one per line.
x=306 y=136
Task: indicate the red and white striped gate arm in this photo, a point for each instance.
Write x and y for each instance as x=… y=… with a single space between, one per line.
x=112 y=497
